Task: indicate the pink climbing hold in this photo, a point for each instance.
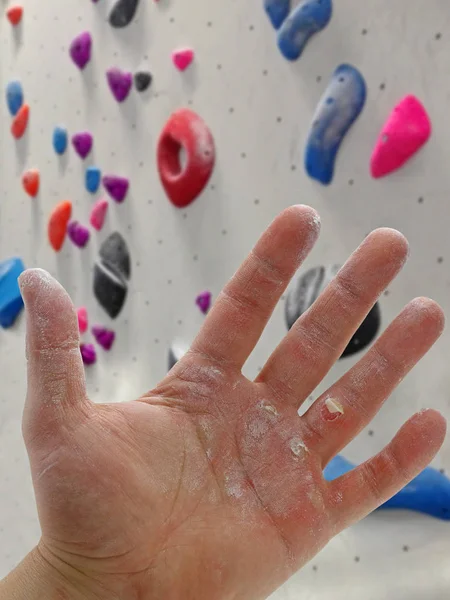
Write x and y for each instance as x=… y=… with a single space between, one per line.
x=88 y=354
x=98 y=214
x=405 y=132
x=104 y=337
x=203 y=301
x=182 y=58
x=82 y=319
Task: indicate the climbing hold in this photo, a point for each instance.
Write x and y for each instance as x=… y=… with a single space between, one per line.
x=203 y=301
x=176 y=353
x=123 y=13
x=60 y=140
x=80 y=49
x=104 y=337
x=308 y=286
x=58 y=222
x=98 y=214
x=11 y=302
x=308 y=18
x=428 y=493
x=277 y=11
x=14 y=14
x=82 y=319
x=405 y=132
x=14 y=97
x=142 y=80
x=30 y=182
x=120 y=83
x=78 y=234
x=82 y=143
x=338 y=109
x=111 y=273
x=117 y=187
x=182 y=58
x=20 y=121
x=88 y=354
x=93 y=179
x=185 y=129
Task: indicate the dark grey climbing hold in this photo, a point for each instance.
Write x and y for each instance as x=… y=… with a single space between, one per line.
x=114 y=254
x=176 y=353
x=305 y=291
x=111 y=272
x=142 y=80
x=123 y=13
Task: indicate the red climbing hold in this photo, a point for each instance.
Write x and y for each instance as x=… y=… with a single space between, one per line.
x=14 y=14
x=30 y=182
x=186 y=131
x=57 y=225
x=20 y=121
x=405 y=132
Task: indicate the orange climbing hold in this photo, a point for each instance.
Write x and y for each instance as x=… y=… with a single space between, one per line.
x=57 y=225
x=14 y=14
x=30 y=182
x=20 y=122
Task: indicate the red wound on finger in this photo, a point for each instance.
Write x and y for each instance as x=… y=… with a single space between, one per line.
x=20 y=121
x=405 y=132
x=57 y=225
x=185 y=132
x=332 y=410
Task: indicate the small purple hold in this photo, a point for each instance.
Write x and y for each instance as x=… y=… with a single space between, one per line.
x=203 y=301
x=80 y=49
x=104 y=337
x=88 y=354
x=117 y=187
x=120 y=83
x=82 y=143
x=78 y=234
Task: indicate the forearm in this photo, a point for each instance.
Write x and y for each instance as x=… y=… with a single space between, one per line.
x=36 y=579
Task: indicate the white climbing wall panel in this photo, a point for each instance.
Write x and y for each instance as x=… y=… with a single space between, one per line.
x=258 y=107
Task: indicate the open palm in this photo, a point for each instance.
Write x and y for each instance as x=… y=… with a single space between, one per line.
x=210 y=486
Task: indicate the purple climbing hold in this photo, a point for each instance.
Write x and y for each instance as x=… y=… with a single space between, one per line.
x=203 y=301
x=88 y=354
x=120 y=83
x=79 y=234
x=104 y=337
x=82 y=143
x=80 y=49
x=117 y=187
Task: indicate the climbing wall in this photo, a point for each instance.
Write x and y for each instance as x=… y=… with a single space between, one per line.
x=278 y=125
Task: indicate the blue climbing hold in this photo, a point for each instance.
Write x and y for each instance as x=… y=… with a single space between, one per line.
x=93 y=179
x=14 y=97
x=428 y=493
x=277 y=11
x=60 y=140
x=338 y=109
x=305 y=20
x=11 y=302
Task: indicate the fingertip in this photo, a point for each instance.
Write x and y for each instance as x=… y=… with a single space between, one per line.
x=432 y=421
x=431 y=312
x=392 y=240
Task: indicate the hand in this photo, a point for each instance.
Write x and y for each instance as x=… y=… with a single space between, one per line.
x=210 y=486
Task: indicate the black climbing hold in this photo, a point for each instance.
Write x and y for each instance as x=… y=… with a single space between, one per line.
x=142 y=80
x=123 y=13
x=114 y=255
x=110 y=291
x=305 y=291
x=176 y=353
x=111 y=272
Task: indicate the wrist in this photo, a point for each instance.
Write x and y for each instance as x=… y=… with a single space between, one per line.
x=37 y=577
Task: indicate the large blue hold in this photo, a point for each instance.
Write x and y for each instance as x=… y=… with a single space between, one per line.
x=11 y=302
x=93 y=179
x=60 y=138
x=338 y=109
x=428 y=493
x=277 y=11
x=305 y=20
x=14 y=97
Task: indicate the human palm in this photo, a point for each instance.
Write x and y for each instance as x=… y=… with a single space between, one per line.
x=210 y=485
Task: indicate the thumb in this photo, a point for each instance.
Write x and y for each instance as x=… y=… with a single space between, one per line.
x=56 y=379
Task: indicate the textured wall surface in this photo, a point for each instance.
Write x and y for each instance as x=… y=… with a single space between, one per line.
x=259 y=109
